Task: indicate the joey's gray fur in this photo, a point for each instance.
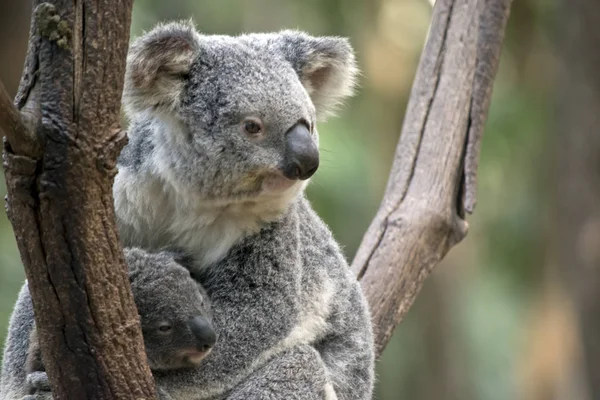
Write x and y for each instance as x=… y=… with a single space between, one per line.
x=165 y=295
x=292 y=320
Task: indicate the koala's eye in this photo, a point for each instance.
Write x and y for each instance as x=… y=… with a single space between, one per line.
x=165 y=327
x=253 y=127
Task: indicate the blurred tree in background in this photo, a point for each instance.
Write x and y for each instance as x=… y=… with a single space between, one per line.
x=495 y=320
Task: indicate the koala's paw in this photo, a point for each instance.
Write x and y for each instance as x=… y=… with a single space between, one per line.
x=45 y=395
x=39 y=381
x=162 y=394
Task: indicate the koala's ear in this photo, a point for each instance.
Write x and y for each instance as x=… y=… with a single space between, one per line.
x=134 y=260
x=326 y=67
x=183 y=258
x=158 y=64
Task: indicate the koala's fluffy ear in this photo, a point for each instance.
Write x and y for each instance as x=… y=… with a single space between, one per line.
x=157 y=65
x=326 y=67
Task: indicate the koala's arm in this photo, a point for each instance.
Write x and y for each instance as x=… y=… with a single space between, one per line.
x=13 y=382
x=39 y=388
x=347 y=349
x=34 y=362
x=296 y=374
x=339 y=366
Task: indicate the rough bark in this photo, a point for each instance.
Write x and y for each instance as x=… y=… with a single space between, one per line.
x=578 y=171
x=61 y=144
x=432 y=181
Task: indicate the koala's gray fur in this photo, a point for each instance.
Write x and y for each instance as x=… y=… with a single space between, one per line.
x=283 y=287
x=13 y=380
x=165 y=295
x=292 y=319
x=298 y=374
x=191 y=178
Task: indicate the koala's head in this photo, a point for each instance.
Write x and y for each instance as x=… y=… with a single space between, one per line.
x=174 y=310
x=233 y=119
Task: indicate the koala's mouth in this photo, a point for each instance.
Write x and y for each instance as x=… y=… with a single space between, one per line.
x=276 y=183
x=194 y=357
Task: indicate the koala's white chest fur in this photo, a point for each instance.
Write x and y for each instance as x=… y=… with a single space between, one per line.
x=312 y=319
x=151 y=214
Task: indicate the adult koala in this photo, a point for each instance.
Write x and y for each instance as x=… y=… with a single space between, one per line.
x=223 y=140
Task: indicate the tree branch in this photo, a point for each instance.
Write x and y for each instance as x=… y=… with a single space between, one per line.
x=13 y=127
x=421 y=215
x=60 y=198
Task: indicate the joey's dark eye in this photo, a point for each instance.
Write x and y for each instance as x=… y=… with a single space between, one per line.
x=253 y=127
x=165 y=327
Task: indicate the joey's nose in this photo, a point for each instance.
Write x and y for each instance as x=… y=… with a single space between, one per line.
x=301 y=154
x=203 y=332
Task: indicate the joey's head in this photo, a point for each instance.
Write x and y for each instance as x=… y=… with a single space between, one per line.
x=233 y=119
x=174 y=310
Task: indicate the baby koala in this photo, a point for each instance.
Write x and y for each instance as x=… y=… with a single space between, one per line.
x=174 y=310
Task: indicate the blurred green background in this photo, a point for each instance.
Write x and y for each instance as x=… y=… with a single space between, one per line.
x=494 y=321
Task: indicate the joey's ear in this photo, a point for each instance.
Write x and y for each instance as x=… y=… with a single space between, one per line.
x=183 y=258
x=134 y=258
x=326 y=67
x=158 y=64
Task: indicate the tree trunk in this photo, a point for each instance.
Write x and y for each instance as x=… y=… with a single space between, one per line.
x=578 y=212
x=60 y=157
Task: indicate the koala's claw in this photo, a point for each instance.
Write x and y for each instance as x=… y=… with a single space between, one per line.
x=38 y=396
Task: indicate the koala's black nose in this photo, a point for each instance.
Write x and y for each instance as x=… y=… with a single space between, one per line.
x=203 y=332
x=301 y=154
